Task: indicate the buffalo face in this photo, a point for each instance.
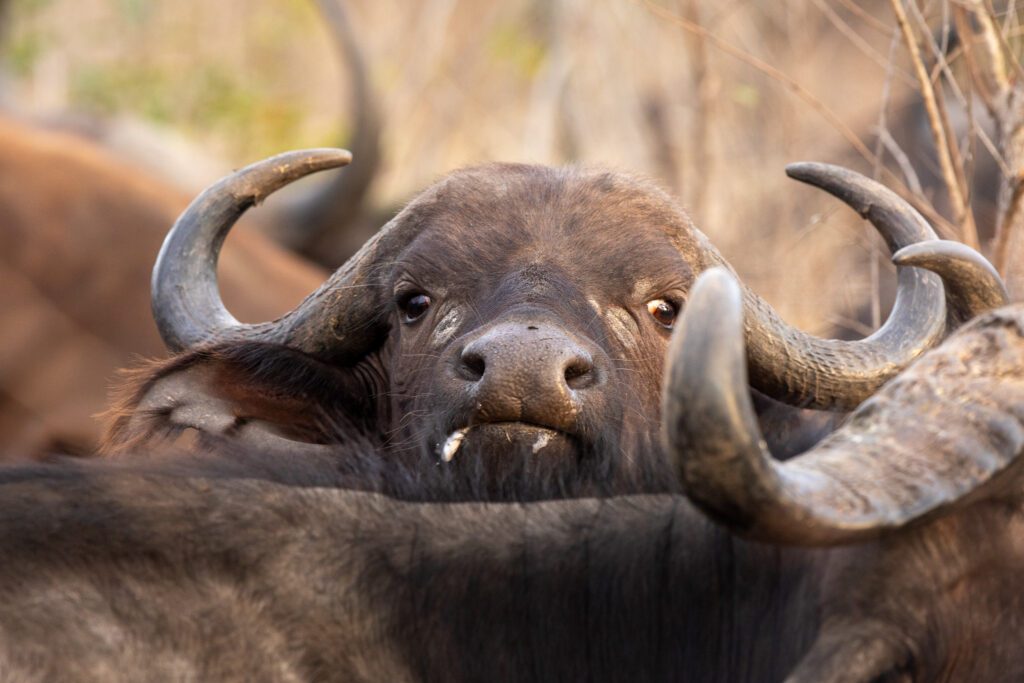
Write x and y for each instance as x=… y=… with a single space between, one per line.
x=504 y=333
x=532 y=346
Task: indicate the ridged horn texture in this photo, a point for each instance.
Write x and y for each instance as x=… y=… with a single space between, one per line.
x=932 y=437
x=973 y=285
x=185 y=297
x=795 y=367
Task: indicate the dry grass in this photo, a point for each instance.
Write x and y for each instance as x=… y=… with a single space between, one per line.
x=714 y=113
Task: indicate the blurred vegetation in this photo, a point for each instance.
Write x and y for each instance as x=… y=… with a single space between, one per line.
x=153 y=60
x=713 y=114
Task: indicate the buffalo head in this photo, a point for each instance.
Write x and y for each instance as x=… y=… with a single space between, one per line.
x=511 y=322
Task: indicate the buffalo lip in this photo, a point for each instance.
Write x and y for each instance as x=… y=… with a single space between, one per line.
x=453 y=442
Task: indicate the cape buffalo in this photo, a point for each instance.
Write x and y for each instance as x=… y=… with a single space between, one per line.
x=506 y=331
x=251 y=570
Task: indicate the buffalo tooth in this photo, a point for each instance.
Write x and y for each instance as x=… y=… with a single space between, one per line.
x=452 y=443
x=541 y=441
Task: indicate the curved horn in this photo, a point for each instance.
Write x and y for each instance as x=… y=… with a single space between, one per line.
x=912 y=450
x=792 y=366
x=315 y=222
x=185 y=298
x=337 y=322
x=973 y=285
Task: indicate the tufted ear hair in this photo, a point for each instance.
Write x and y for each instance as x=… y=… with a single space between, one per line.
x=249 y=393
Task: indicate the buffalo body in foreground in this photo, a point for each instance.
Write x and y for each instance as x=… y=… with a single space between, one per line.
x=260 y=567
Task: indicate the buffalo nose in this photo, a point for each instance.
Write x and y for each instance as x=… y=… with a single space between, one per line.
x=527 y=352
x=529 y=372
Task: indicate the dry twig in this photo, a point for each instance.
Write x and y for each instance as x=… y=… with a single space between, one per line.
x=843 y=27
x=943 y=226
x=941 y=69
x=938 y=121
x=769 y=70
x=885 y=142
x=704 y=87
x=866 y=17
x=1004 y=97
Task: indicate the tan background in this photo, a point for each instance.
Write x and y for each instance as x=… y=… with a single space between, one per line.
x=466 y=81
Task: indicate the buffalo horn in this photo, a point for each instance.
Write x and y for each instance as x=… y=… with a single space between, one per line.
x=907 y=453
x=795 y=367
x=338 y=322
x=973 y=285
x=185 y=297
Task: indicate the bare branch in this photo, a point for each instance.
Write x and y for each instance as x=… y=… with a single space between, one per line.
x=941 y=224
x=943 y=59
x=942 y=69
x=990 y=60
x=768 y=70
x=990 y=69
x=840 y=24
x=901 y=159
x=995 y=42
x=864 y=16
x=882 y=136
x=703 y=114
x=1009 y=17
x=939 y=126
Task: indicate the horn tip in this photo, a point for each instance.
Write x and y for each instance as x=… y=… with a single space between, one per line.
x=302 y=162
x=325 y=157
x=715 y=283
x=923 y=254
x=940 y=255
x=963 y=269
x=810 y=171
x=717 y=278
x=258 y=180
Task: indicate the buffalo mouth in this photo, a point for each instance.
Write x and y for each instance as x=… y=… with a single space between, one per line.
x=496 y=439
x=524 y=461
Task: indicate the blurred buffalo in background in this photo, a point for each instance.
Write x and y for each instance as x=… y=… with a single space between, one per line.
x=79 y=228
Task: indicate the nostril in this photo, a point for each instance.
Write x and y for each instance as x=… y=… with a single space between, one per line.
x=472 y=365
x=578 y=373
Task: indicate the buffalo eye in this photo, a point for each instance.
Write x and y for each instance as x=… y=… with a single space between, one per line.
x=413 y=306
x=664 y=312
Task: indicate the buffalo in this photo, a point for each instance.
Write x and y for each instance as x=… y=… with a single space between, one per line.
x=78 y=231
x=249 y=566
x=472 y=341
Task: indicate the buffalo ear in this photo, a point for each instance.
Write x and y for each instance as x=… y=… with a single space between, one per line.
x=257 y=394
